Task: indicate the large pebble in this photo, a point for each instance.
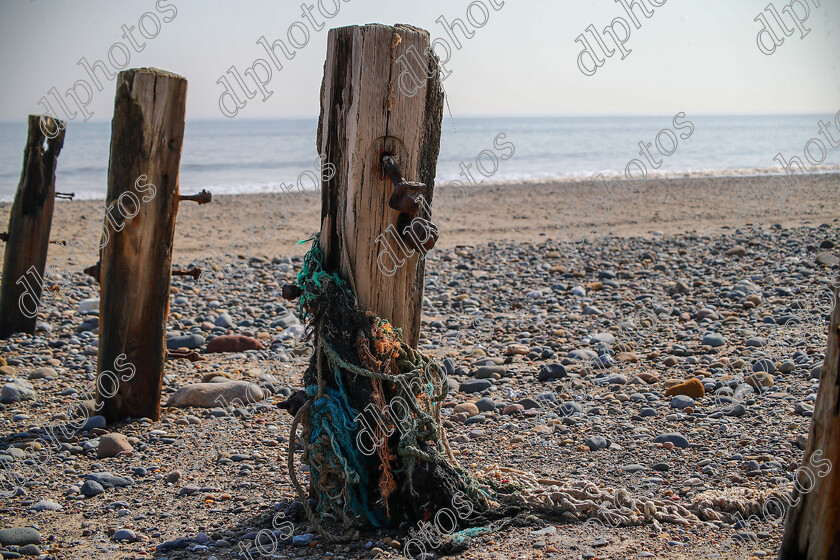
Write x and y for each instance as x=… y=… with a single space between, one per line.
x=211 y=395
x=677 y=439
x=189 y=341
x=17 y=391
x=19 y=536
x=232 y=343
x=474 y=385
x=111 y=445
x=691 y=388
x=551 y=371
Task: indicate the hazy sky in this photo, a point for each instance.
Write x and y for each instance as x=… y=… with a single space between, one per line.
x=698 y=56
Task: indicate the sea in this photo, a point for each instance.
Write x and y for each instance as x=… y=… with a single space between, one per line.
x=251 y=156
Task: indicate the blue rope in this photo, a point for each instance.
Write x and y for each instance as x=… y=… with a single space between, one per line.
x=332 y=415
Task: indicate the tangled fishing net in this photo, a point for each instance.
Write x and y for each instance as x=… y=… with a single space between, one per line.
x=391 y=462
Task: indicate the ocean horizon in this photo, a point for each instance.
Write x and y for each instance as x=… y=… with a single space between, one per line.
x=250 y=156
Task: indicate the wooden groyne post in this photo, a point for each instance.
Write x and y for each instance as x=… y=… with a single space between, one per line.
x=28 y=235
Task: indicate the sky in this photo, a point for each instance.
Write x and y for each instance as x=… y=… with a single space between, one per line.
x=697 y=56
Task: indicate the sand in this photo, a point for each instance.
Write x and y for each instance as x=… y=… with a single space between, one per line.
x=530 y=212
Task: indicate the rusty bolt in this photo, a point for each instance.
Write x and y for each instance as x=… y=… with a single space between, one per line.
x=202 y=198
x=418 y=233
x=194 y=272
x=406 y=196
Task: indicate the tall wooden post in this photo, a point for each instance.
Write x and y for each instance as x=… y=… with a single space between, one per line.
x=812 y=529
x=146 y=138
x=28 y=235
x=365 y=114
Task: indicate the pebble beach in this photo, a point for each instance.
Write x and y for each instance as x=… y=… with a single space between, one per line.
x=673 y=353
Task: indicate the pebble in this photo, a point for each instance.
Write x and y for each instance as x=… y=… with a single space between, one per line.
x=18 y=390
x=596 y=442
x=42 y=373
x=474 y=385
x=210 y=395
x=112 y=444
x=91 y=488
x=692 y=388
x=713 y=339
x=681 y=401
x=548 y=372
x=232 y=343
x=124 y=535
x=45 y=505
x=19 y=536
x=676 y=439
x=188 y=341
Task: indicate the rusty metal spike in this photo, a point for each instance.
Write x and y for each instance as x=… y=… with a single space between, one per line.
x=194 y=272
x=407 y=194
x=203 y=197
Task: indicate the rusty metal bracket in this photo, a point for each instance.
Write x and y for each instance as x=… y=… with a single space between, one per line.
x=190 y=355
x=418 y=234
x=203 y=197
x=406 y=196
x=194 y=272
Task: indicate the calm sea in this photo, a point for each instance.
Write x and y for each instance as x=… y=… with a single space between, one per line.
x=242 y=156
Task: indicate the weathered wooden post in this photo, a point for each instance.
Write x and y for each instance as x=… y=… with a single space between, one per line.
x=146 y=138
x=812 y=529
x=381 y=110
x=28 y=235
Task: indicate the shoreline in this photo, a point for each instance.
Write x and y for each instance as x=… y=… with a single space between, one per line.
x=531 y=213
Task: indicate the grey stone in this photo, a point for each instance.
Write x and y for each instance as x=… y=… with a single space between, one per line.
x=17 y=391
x=45 y=505
x=474 y=385
x=42 y=373
x=713 y=339
x=551 y=371
x=19 y=536
x=827 y=259
x=125 y=535
x=596 y=442
x=94 y=422
x=485 y=404
x=30 y=550
x=737 y=410
x=210 y=395
x=91 y=488
x=682 y=401
x=108 y=480
x=189 y=341
x=677 y=439
x=764 y=365
x=489 y=372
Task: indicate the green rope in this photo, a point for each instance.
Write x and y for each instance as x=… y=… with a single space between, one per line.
x=332 y=428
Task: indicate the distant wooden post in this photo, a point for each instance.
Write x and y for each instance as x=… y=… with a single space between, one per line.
x=812 y=529
x=28 y=235
x=146 y=138
x=365 y=114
